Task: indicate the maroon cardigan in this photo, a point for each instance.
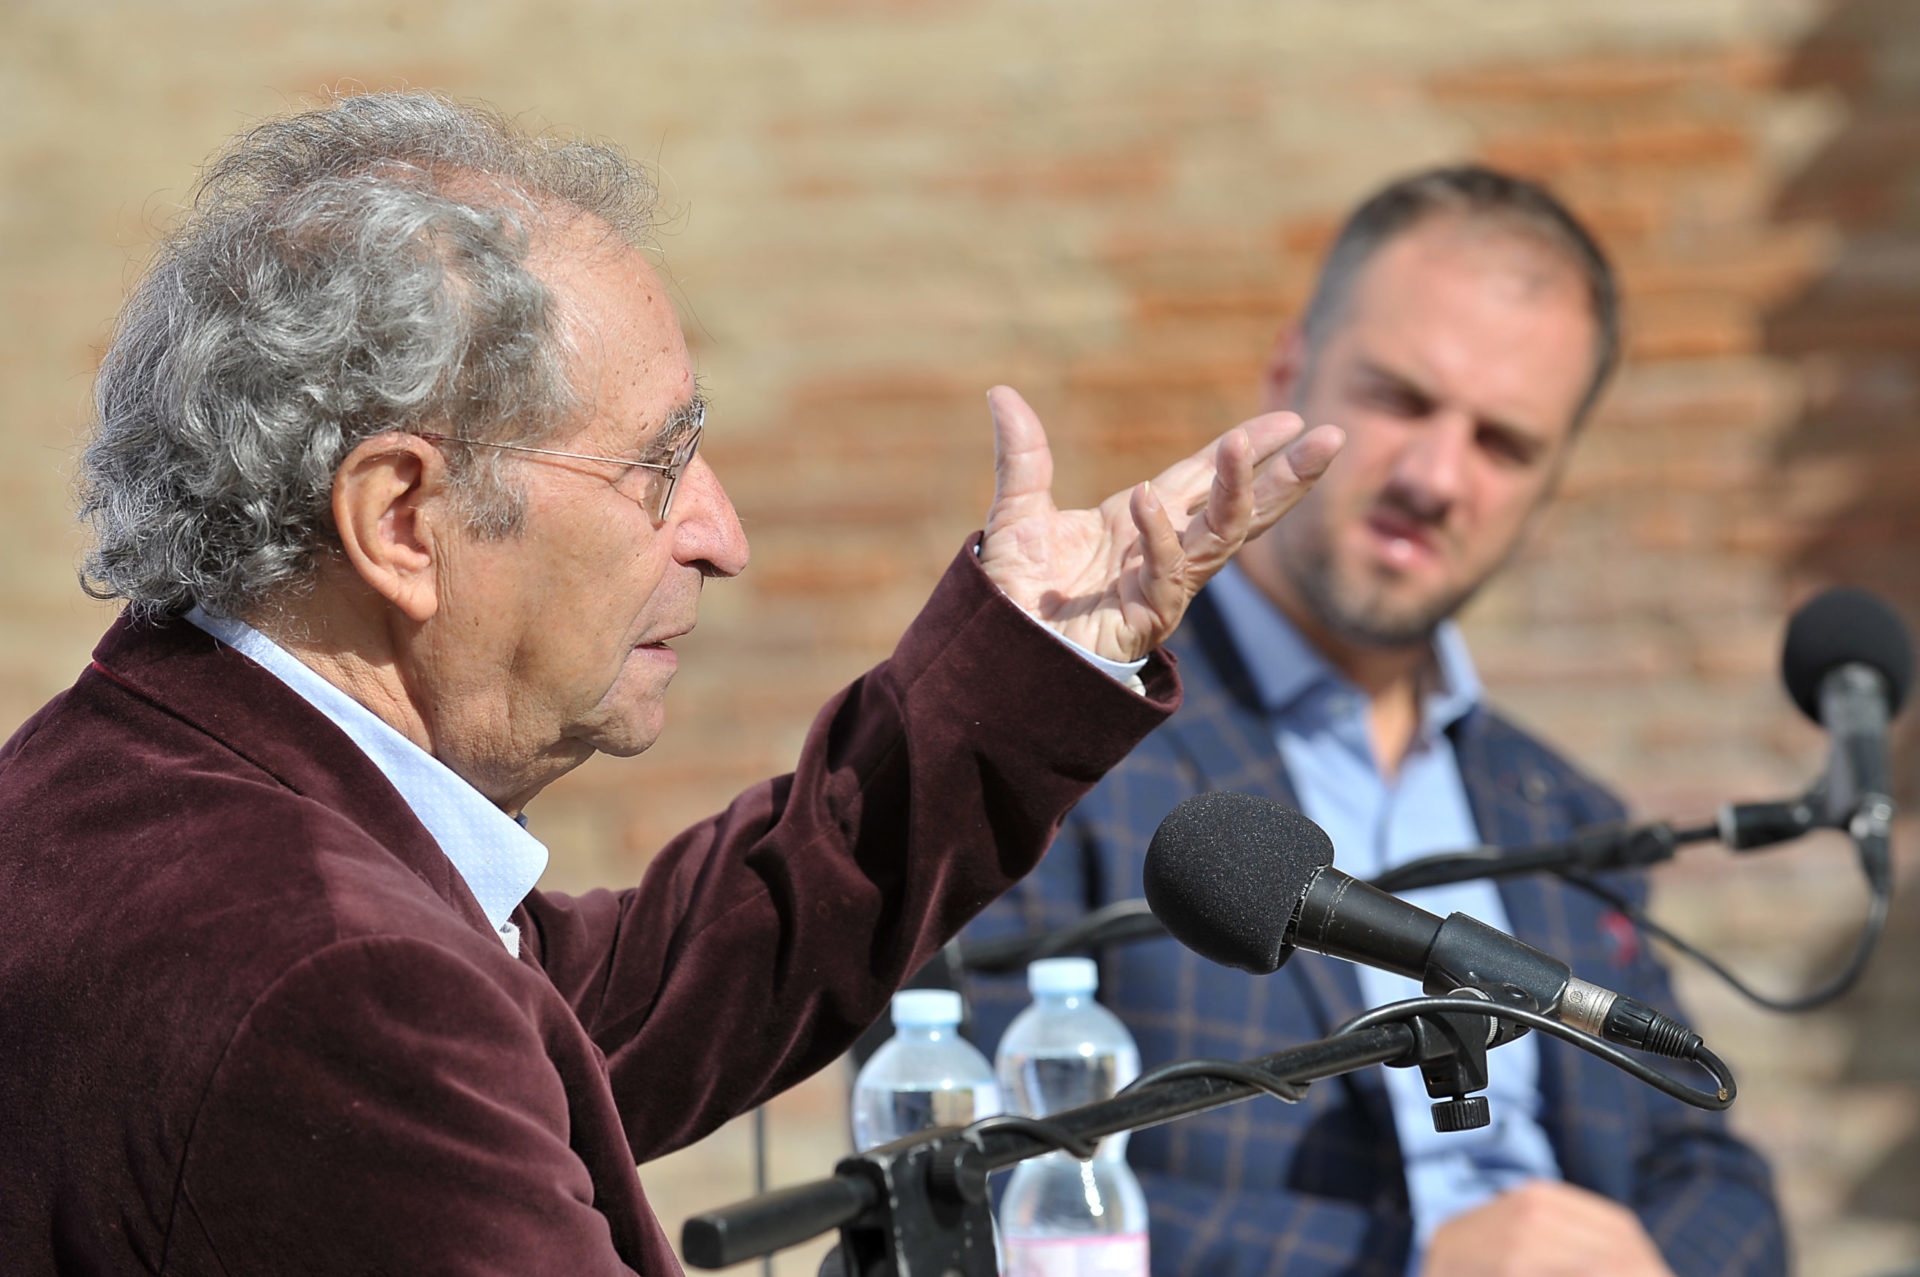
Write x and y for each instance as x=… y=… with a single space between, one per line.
x=253 y=1022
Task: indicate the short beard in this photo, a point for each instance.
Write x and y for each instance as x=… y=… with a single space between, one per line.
x=1372 y=621
x=1353 y=613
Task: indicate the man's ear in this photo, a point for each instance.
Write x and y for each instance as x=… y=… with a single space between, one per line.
x=389 y=510
x=1280 y=382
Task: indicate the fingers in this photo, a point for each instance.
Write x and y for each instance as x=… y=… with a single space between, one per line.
x=1284 y=461
x=1162 y=560
x=1184 y=484
x=1022 y=462
x=1285 y=479
x=1312 y=454
x=1213 y=538
x=1272 y=431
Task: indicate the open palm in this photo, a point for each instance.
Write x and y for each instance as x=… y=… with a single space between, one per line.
x=1116 y=579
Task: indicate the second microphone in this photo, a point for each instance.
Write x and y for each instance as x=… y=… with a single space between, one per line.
x=1244 y=881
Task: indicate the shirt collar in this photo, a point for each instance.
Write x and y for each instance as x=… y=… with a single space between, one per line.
x=1456 y=685
x=497 y=857
x=1284 y=666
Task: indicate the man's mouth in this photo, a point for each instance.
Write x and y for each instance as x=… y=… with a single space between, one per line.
x=663 y=643
x=1402 y=541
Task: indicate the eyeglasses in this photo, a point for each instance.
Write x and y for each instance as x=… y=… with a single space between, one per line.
x=688 y=425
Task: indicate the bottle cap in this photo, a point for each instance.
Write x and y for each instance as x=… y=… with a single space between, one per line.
x=1061 y=977
x=926 y=1008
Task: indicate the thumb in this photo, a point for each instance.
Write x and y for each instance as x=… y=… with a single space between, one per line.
x=1022 y=462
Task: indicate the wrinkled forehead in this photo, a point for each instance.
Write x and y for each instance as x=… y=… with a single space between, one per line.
x=626 y=355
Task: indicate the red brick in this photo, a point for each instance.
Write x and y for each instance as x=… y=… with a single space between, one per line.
x=1261 y=303
x=1309 y=237
x=1671 y=144
x=847 y=578
x=1148 y=372
x=1604 y=82
x=1850 y=180
x=1134 y=172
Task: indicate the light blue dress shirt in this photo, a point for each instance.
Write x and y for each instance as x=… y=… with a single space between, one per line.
x=492 y=851
x=1319 y=721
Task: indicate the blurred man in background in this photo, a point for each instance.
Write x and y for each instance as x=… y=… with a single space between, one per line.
x=1462 y=328
x=396 y=471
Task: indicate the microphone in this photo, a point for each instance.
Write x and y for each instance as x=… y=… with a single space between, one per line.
x=1848 y=664
x=1243 y=881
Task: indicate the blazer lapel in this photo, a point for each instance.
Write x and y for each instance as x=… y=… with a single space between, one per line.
x=1228 y=741
x=1221 y=728
x=1516 y=806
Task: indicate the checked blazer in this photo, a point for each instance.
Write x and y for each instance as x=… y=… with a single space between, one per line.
x=1317 y=1188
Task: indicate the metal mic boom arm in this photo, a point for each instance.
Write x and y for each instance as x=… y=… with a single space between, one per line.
x=1606 y=848
x=1595 y=850
x=925 y=1196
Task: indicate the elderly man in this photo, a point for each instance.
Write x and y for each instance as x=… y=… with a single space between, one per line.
x=1462 y=327
x=396 y=471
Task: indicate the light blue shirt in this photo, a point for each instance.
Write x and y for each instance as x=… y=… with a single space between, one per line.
x=492 y=851
x=1319 y=721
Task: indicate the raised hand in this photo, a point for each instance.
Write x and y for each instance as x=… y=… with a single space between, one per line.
x=1116 y=579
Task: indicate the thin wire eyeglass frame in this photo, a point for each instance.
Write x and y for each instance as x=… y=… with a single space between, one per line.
x=683 y=454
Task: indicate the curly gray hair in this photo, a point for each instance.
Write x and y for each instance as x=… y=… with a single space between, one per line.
x=342 y=272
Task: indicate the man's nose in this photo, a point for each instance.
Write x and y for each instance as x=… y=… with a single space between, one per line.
x=706 y=529
x=1434 y=466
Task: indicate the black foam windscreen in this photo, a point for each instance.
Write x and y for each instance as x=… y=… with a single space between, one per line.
x=1839 y=627
x=1225 y=871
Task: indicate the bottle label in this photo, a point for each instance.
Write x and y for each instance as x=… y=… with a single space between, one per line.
x=1124 y=1255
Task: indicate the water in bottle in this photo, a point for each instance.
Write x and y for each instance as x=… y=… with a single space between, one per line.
x=1061 y=1217
x=925 y=1075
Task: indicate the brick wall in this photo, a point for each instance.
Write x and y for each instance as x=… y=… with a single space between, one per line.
x=884 y=206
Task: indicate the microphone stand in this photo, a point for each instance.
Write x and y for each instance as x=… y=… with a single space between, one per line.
x=1604 y=848
x=920 y=1205
x=1596 y=850
x=1867 y=818
x=1593 y=850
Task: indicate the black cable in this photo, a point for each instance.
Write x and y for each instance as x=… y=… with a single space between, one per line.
x=1280 y=1088
x=1876 y=922
x=1292 y=1092
x=1046 y=1132
x=1714 y=1100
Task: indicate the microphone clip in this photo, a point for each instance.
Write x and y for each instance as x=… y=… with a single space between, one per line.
x=1450 y=1050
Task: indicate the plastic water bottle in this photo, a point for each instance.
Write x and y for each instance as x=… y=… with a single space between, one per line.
x=1062 y=1217
x=925 y=1075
